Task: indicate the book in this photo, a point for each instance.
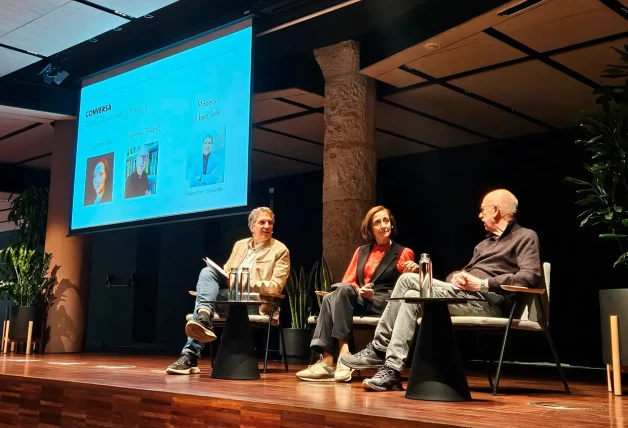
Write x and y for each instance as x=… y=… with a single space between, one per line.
x=210 y=263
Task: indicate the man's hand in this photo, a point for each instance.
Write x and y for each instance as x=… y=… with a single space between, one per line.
x=410 y=266
x=366 y=292
x=466 y=281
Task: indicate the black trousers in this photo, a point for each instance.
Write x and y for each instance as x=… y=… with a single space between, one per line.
x=336 y=316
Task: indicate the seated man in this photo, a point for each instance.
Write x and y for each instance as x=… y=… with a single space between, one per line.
x=509 y=255
x=268 y=261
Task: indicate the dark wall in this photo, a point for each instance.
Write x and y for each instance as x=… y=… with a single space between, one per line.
x=435 y=198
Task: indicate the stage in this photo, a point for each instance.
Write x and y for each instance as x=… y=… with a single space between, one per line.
x=79 y=390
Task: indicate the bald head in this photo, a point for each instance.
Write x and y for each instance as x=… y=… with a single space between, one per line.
x=505 y=200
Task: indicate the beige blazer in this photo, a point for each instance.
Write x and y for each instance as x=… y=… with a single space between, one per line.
x=270 y=270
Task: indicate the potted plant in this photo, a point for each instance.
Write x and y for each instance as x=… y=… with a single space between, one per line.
x=604 y=198
x=27 y=282
x=25 y=275
x=322 y=279
x=298 y=336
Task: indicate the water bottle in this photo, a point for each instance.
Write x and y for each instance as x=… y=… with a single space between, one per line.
x=233 y=284
x=245 y=284
x=425 y=275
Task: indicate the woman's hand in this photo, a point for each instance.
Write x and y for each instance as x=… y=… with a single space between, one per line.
x=366 y=292
x=410 y=266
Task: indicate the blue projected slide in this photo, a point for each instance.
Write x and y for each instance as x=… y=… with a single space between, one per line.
x=167 y=138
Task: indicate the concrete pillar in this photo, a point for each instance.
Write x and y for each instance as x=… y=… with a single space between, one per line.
x=66 y=321
x=349 y=159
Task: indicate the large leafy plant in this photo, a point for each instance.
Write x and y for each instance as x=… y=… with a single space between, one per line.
x=604 y=199
x=300 y=296
x=29 y=211
x=26 y=277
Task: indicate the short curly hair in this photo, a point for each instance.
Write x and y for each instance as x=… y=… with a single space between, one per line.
x=367 y=224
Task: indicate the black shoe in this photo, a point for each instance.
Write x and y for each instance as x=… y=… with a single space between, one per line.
x=386 y=379
x=367 y=358
x=200 y=329
x=186 y=364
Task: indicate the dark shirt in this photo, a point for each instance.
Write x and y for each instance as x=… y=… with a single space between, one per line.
x=136 y=185
x=205 y=159
x=509 y=259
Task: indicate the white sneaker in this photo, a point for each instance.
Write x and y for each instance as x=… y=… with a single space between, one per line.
x=319 y=372
x=343 y=373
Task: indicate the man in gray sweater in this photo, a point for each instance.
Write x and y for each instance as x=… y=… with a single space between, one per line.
x=509 y=255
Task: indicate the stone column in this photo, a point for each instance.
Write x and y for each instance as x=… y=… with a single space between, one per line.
x=65 y=326
x=349 y=159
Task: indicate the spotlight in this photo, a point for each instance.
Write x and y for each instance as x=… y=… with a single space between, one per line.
x=53 y=73
x=148 y=16
x=117 y=29
x=93 y=40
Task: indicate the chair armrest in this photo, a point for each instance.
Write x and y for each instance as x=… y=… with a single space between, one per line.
x=522 y=289
x=276 y=295
x=321 y=293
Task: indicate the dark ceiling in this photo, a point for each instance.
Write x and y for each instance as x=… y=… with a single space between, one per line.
x=281 y=58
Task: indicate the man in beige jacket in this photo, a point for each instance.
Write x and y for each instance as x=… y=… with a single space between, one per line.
x=268 y=261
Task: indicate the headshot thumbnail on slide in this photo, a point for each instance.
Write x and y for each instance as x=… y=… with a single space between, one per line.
x=141 y=170
x=98 y=180
x=206 y=159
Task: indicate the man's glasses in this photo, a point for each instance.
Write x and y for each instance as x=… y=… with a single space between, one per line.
x=483 y=207
x=143 y=157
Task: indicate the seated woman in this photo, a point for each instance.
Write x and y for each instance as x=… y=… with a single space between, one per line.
x=373 y=271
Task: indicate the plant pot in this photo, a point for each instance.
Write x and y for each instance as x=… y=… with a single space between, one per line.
x=19 y=316
x=297 y=341
x=614 y=302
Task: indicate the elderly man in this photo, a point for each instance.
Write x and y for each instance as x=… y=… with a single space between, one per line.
x=509 y=255
x=137 y=183
x=268 y=261
x=207 y=168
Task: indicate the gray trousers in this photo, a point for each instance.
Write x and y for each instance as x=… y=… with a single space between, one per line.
x=395 y=330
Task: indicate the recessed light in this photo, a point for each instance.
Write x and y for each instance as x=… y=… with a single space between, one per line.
x=431 y=46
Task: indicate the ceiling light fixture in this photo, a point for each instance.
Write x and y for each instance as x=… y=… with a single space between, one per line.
x=431 y=46
x=307 y=17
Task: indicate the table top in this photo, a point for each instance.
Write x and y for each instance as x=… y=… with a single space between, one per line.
x=237 y=302
x=448 y=300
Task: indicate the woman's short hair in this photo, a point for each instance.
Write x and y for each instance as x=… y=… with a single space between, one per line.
x=367 y=224
x=256 y=212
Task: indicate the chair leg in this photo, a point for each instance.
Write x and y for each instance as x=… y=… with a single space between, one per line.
x=557 y=361
x=284 y=357
x=270 y=320
x=211 y=354
x=501 y=355
x=551 y=344
x=608 y=378
x=481 y=344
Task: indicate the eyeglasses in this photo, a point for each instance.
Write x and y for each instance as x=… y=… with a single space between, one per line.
x=483 y=207
x=143 y=157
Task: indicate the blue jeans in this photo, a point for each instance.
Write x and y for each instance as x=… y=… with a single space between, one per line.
x=210 y=286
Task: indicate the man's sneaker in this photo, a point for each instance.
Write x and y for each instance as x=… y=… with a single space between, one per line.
x=186 y=364
x=343 y=373
x=319 y=372
x=386 y=379
x=367 y=358
x=200 y=329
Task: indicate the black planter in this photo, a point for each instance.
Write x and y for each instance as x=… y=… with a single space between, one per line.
x=614 y=302
x=297 y=344
x=19 y=316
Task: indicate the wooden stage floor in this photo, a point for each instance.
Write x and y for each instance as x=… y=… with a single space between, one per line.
x=84 y=390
